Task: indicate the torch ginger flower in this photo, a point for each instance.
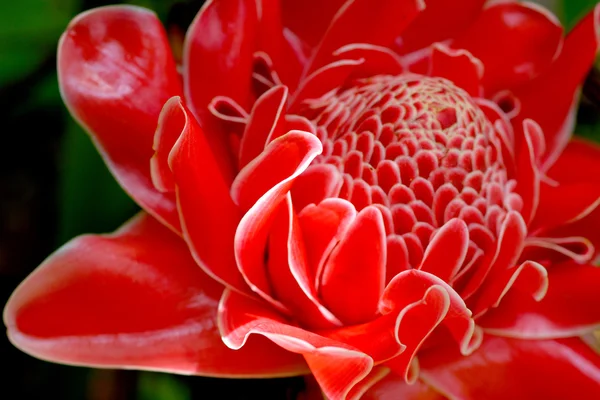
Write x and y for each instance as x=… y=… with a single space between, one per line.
x=383 y=194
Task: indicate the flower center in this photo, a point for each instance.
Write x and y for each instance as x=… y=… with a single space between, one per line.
x=420 y=148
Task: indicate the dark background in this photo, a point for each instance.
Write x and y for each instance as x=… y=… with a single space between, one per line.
x=54 y=186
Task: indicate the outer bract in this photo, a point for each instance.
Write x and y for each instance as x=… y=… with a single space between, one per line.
x=384 y=194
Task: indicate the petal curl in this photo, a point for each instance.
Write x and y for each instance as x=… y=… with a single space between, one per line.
x=132 y=299
x=552 y=98
x=515 y=41
x=115 y=72
x=570 y=308
x=517 y=369
x=393 y=387
x=336 y=366
x=209 y=217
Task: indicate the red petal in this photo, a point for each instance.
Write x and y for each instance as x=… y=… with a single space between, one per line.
x=459 y=66
x=570 y=308
x=409 y=287
x=317 y=183
x=323 y=80
x=209 y=217
x=529 y=277
x=132 y=299
x=393 y=387
x=515 y=369
x=528 y=174
x=551 y=99
x=217 y=61
x=309 y=19
x=218 y=53
x=261 y=187
x=265 y=122
x=323 y=225
x=362 y=21
x=515 y=41
x=116 y=71
x=564 y=203
x=377 y=60
x=447 y=250
x=354 y=277
x=434 y=24
x=336 y=366
x=290 y=277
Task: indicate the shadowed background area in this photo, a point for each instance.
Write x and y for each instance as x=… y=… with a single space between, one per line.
x=54 y=186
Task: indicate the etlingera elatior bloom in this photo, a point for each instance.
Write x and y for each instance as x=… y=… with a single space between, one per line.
x=383 y=194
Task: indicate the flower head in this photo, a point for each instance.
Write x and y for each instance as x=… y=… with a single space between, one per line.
x=383 y=194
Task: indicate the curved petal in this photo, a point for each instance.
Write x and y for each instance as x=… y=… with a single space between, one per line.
x=260 y=188
x=515 y=41
x=515 y=369
x=411 y=286
x=217 y=61
x=551 y=99
x=264 y=124
x=386 y=20
x=447 y=250
x=208 y=215
x=459 y=66
x=354 y=276
x=132 y=299
x=295 y=15
x=393 y=387
x=336 y=366
x=289 y=274
x=570 y=308
x=115 y=72
x=434 y=25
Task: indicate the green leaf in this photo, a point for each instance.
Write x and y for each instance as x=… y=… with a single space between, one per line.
x=30 y=30
x=90 y=198
x=572 y=11
x=157 y=386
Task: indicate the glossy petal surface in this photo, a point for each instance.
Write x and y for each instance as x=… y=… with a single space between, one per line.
x=115 y=72
x=132 y=299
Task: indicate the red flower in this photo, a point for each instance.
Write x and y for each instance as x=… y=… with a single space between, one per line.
x=378 y=192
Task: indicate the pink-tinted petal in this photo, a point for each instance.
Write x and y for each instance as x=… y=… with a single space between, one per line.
x=551 y=99
x=380 y=23
x=265 y=122
x=132 y=299
x=571 y=307
x=260 y=188
x=208 y=215
x=394 y=387
x=515 y=41
x=115 y=72
x=447 y=250
x=434 y=25
x=354 y=277
x=336 y=366
x=515 y=369
x=217 y=61
x=459 y=66
x=289 y=274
